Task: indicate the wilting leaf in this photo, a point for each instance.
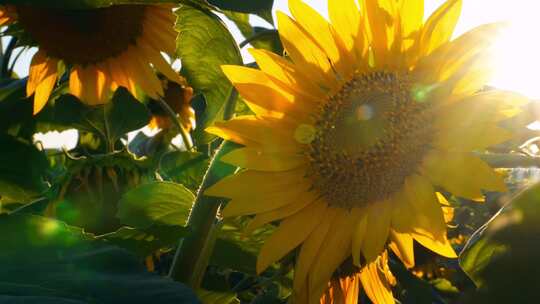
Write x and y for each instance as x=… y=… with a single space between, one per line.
x=46 y=261
x=204 y=44
x=144 y=242
x=158 y=203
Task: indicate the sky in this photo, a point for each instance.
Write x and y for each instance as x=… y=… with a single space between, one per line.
x=516 y=64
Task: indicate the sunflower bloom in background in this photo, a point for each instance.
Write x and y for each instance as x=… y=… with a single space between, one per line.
x=105 y=48
x=178 y=97
x=354 y=131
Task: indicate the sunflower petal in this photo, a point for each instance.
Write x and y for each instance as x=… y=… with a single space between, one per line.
x=358 y=239
x=337 y=247
x=258 y=159
x=285 y=71
x=305 y=53
x=312 y=22
x=462 y=174
x=311 y=247
x=266 y=217
x=378 y=223
x=440 y=26
x=375 y=284
x=402 y=245
x=251 y=131
x=290 y=233
x=249 y=184
x=252 y=84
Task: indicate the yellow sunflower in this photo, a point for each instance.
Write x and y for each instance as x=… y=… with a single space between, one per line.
x=105 y=48
x=354 y=131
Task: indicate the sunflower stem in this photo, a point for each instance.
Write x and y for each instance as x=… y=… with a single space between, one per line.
x=191 y=257
x=201 y=221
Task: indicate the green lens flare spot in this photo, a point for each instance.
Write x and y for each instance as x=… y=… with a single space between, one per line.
x=305 y=133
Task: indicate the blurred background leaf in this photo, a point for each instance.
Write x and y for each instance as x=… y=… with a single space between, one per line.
x=46 y=261
x=503 y=257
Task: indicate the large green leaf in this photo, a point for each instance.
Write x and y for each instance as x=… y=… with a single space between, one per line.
x=187 y=168
x=204 y=44
x=503 y=257
x=243 y=6
x=82 y=4
x=46 y=261
x=111 y=121
x=158 y=203
x=22 y=170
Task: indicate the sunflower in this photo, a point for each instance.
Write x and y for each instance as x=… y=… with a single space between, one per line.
x=105 y=48
x=353 y=133
x=178 y=97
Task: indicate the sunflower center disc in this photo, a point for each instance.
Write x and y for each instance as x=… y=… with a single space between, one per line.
x=83 y=36
x=369 y=138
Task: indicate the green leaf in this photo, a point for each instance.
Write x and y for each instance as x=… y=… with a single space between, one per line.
x=46 y=261
x=204 y=44
x=109 y=121
x=22 y=170
x=82 y=4
x=477 y=256
x=144 y=242
x=259 y=37
x=237 y=250
x=187 y=168
x=253 y=6
x=158 y=203
x=503 y=256
x=214 y=297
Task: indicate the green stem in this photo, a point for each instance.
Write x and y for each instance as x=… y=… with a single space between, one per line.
x=186 y=138
x=187 y=267
x=201 y=220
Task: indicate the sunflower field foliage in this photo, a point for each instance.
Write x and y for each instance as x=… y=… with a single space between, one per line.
x=360 y=157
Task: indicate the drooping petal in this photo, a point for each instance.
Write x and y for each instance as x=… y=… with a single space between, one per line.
x=375 y=284
x=402 y=246
x=41 y=79
x=359 y=235
x=378 y=223
x=337 y=247
x=310 y=248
